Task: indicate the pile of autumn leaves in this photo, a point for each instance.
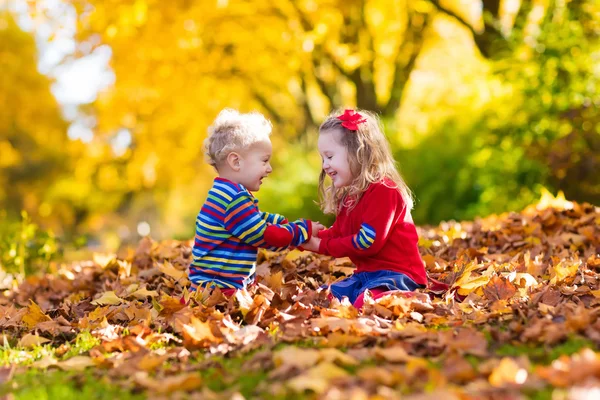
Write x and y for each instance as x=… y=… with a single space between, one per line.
x=523 y=280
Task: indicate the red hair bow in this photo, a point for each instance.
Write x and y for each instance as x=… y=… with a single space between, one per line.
x=351 y=120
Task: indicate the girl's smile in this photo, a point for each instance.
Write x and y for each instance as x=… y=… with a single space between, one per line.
x=335 y=158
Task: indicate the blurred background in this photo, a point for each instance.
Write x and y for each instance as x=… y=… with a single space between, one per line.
x=104 y=105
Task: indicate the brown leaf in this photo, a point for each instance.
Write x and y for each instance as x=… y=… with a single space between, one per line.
x=499 y=289
x=184 y=382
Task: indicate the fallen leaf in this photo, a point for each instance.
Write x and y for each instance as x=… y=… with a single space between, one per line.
x=76 y=363
x=183 y=382
x=30 y=340
x=317 y=378
x=508 y=372
x=108 y=298
x=499 y=289
x=34 y=315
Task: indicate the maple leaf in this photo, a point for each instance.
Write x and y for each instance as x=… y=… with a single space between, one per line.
x=499 y=289
x=198 y=334
x=564 y=270
x=34 y=315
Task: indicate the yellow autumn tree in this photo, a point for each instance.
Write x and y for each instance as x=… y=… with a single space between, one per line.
x=33 y=134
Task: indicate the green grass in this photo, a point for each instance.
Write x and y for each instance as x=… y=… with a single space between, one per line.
x=543 y=354
x=225 y=375
x=50 y=385
x=18 y=355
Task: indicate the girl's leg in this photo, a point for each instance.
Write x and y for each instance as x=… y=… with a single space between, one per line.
x=345 y=288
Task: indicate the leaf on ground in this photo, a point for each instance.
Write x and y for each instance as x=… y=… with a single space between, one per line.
x=183 y=382
x=317 y=378
x=30 y=340
x=76 y=363
x=508 y=372
x=168 y=269
x=108 y=298
x=34 y=315
x=499 y=288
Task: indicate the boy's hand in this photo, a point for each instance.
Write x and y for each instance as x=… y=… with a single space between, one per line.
x=316 y=228
x=312 y=244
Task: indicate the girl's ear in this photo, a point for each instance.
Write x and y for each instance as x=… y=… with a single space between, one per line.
x=234 y=161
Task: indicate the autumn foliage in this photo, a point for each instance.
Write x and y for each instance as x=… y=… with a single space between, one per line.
x=526 y=281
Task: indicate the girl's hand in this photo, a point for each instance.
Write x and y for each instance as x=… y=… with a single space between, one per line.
x=312 y=244
x=316 y=228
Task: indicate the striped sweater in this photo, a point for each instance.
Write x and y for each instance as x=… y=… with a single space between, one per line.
x=229 y=230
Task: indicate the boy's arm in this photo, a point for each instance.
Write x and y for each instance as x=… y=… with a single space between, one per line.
x=273 y=218
x=382 y=205
x=244 y=221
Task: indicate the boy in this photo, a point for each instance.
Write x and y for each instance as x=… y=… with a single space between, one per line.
x=230 y=227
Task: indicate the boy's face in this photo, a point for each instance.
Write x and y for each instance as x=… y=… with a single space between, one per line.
x=335 y=158
x=255 y=164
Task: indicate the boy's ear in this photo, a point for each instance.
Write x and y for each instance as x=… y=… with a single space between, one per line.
x=233 y=160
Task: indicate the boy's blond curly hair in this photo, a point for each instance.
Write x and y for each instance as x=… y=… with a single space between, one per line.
x=232 y=131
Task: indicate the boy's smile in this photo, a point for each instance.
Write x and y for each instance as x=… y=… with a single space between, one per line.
x=256 y=164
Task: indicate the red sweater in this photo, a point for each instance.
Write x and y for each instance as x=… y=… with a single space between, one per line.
x=377 y=234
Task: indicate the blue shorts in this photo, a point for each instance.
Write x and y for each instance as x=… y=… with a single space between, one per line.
x=355 y=285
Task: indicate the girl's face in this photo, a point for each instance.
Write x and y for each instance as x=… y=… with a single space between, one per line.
x=335 y=158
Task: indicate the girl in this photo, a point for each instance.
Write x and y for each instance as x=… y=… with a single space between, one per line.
x=372 y=204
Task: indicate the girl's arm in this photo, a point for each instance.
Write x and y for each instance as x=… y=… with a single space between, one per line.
x=244 y=221
x=329 y=232
x=382 y=206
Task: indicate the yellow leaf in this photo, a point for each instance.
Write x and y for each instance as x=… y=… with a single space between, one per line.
x=317 y=378
x=104 y=260
x=595 y=293
x=472 y=284
x=198 y=334
x=563 y=270
x=168 y=269
x=507 y=372
x=108 y=298
x=393 y=354
x=77 y=363
x=143 y=293
x=333 y=355
x=30 y=340
x=34 y=315
x=170 y=384
x=301 y=358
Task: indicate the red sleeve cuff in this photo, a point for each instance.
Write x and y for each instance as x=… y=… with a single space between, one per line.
x=277 y=237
